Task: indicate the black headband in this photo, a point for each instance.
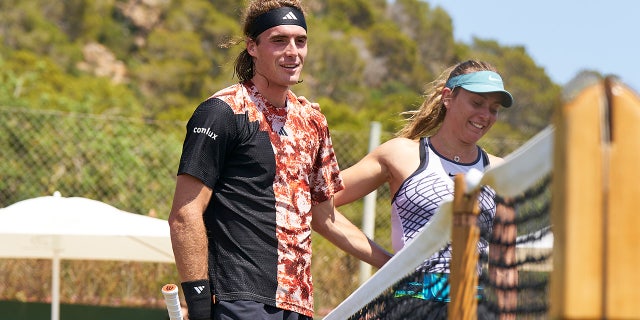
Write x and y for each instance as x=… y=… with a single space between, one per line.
x=276 y=17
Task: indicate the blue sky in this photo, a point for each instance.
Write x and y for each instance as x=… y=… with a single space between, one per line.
x=562 y=36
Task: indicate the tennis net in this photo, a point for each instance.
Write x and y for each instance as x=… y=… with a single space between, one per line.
x=513 y=276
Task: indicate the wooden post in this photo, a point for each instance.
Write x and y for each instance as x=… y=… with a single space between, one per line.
x=464 y=259
x=622 y=255
x=576 y=213
x=595 y=221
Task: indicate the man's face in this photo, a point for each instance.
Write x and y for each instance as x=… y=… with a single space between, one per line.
x=279 y=54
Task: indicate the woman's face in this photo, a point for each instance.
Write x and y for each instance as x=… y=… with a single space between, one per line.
x=471 y=114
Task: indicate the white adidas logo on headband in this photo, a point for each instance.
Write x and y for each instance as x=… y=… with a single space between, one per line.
x=276 y=17
x=290 y=16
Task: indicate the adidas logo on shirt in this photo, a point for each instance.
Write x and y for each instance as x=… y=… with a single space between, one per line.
x=290 y=16
x=198 y=289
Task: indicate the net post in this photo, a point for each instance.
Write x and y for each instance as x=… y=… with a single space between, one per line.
x=594 y=212
x=621 y=255
x=464 y=260
x=576 y=213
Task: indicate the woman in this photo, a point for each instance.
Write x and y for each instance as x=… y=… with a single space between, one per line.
x=438 y=142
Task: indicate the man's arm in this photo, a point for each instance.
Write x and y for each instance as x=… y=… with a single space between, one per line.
x=190 y=245
x=188 y=234
x=331 y=224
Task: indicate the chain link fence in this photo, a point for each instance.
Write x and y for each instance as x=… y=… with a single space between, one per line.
x=127 y=163
x=131 y=164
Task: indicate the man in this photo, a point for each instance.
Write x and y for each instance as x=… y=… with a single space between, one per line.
x=257 y=172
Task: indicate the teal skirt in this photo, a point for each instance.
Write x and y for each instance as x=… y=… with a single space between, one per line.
x=433 y=287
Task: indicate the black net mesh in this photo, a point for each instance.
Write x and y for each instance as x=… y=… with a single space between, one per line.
x=513 y=283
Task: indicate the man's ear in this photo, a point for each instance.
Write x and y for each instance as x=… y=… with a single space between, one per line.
x=251 y=47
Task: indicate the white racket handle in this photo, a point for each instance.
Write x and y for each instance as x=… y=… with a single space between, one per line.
x=172 y=300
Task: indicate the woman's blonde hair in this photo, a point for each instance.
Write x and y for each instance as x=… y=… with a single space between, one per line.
x=427 y=119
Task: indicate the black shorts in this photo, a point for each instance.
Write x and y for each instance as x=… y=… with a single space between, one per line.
x=251 y=310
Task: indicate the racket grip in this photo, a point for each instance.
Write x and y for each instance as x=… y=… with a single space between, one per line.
x=172 y=300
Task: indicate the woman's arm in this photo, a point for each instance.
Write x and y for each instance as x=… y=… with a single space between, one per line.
x=392 y=162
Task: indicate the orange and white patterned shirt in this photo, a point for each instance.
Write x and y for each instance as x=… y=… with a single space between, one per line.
x=267 y=167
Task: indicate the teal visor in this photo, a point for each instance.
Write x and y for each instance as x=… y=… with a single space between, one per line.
x=482 y=82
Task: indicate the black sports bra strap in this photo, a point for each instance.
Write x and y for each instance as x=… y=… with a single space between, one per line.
x=485 y=158
x=424 y=159
x=423 y=151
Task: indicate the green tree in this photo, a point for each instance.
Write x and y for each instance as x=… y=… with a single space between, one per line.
x=398 y=51
x=36 y=82
x=432 y=31
x=333 y=67
x=171 y=70
x=536 y=96
x=359 y=13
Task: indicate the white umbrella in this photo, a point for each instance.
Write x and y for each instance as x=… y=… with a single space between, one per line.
x=55 y=227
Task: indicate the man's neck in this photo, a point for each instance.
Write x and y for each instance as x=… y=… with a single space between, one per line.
x=275 y=94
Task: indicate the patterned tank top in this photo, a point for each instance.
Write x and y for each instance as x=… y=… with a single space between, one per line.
x=420 y=195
